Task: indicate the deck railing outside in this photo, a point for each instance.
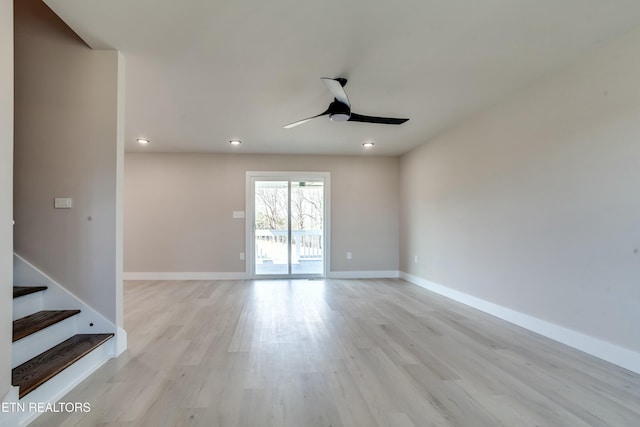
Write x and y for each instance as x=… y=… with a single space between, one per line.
x=271 y=245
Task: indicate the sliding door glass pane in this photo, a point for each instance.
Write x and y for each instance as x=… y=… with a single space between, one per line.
x=307 y=209
x=271 y=227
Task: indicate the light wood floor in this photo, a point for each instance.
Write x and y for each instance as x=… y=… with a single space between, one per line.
x=339 y=353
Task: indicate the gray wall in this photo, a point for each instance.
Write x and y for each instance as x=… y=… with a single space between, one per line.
x=6 y=191
x=178 y=210
x=535 y=204
x=66 y=145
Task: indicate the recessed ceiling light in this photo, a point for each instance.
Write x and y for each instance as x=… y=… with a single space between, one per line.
x=235 y=142
x=142 y=140
x=368 y=144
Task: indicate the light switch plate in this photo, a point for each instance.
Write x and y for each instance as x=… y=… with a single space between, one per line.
x=63 y=203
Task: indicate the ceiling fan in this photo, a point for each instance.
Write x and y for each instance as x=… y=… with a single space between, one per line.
x=340 y=109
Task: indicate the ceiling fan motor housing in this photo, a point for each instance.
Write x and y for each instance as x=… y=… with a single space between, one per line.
x=339 y=112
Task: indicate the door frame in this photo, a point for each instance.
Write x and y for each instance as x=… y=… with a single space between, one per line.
x=250 y=178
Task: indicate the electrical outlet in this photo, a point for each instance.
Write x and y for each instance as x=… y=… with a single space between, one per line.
x=348 y=255
x=242 y=256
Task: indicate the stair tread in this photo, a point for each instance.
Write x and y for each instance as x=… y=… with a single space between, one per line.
x=37 y=321
x=35 y=372
x=20 y=291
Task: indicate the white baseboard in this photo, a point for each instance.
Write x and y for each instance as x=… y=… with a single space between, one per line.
x=604 y=350
x=382 y=274
x=121 y=341
x=184 y=276
x=376 y=274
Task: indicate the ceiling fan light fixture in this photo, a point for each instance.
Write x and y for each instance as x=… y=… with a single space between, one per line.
x=339 y=117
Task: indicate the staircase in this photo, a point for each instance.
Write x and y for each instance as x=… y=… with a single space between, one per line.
x=49 y=355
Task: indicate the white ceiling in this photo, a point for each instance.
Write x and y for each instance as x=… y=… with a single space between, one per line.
x=201 y=72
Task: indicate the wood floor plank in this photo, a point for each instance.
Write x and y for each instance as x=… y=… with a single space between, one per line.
x=370 y=353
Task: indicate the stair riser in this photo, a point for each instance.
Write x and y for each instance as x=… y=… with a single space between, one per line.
x=34 y=344
x=27 y=305
x=61 y=384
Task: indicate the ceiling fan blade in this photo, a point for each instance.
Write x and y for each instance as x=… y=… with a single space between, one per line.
x=336 y=89
x=370 y=119
x=299 y=122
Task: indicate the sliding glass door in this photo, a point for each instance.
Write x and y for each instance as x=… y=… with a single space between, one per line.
x=288 y=225
x=271 y=228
